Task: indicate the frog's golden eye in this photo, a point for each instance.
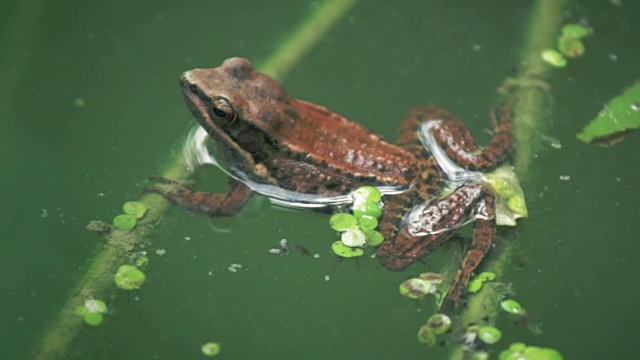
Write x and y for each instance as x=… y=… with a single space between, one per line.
x=222 y=110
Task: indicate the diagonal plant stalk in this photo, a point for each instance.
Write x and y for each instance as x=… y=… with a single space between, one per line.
x=529 y=94
x=97 y=281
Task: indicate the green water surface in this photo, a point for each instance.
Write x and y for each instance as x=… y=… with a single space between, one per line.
x=64 y=165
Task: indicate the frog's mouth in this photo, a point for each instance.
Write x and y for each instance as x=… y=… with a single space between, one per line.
x=193 y=97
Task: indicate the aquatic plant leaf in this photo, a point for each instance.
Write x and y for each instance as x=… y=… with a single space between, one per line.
x=211 y=349
x=510 y=202
x=554 y=58
x=416 y=288
x=363 y=207
x=426 y=335
x=353 y=238
x=129 y=277
x=135 y=209
x=343 y=250
x=474 y=285
x=343 y=222
x=367 y=193
x=439 y=323
x=513 y=307
x=571 y=47
x=367 y=222
x=93 y=318
x=124 y=222
x=489 y=334
x=575 y=31
x=520 y=351
x=373 y=237
x=618 y=118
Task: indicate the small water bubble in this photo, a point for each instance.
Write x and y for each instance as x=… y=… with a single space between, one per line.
x=635 y=106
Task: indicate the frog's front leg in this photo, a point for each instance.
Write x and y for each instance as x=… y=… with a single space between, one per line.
x=430 y=225
x=226 y=204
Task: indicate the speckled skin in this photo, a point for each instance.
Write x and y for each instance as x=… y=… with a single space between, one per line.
x=296 y=145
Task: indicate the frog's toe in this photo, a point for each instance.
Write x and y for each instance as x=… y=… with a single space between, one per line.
x=162 y=180
x=166 y=181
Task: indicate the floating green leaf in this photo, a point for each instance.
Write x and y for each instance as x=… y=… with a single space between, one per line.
x=367 y=193
x=486 y=276
x=343 y=221
x=513 y=307
x=142 y=261
x=618 y=118
x=575 y=31
x=373 y=237
x=93 y=319
x=489 y=334
x=361 y=207
x=439 y=323
x=124 y=222
x=571 y=47
x=211 y=348
x=520 y=351
x=510 y=202
x=92 y=311
x=342 y=250
x=129 y=277
x=426 y=335
x=135 y=209
x=367 y=222
x=94 y=305
x=474 y=285
x=554 y=58
x=353 y=238
x=416 y=288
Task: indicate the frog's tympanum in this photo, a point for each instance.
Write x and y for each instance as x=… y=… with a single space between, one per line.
x=275 y=139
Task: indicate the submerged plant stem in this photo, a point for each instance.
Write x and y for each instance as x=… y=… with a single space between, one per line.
x=97 y=281
x=529 y=92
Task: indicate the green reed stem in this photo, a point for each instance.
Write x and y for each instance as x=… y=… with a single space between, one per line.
x=97 y=281
x=529 y=100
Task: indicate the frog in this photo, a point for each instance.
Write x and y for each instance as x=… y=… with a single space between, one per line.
x=267 y=137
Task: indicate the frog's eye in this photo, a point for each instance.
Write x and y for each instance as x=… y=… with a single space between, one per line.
x=222 y=110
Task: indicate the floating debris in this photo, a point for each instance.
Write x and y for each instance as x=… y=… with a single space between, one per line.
x=234 y=267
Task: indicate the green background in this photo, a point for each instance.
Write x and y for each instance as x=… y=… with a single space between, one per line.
x=123 y=58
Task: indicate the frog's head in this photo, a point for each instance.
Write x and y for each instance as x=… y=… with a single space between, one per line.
x=239 y=107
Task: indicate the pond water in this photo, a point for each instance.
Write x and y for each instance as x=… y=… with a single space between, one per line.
x=90 y=107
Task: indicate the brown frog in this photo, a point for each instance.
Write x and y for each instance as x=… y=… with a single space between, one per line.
x=269 y=137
